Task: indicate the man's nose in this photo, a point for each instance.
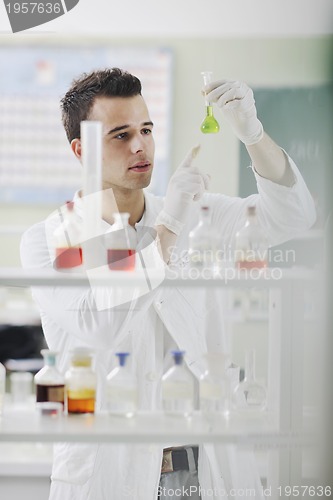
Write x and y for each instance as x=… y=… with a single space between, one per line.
x=137 y=143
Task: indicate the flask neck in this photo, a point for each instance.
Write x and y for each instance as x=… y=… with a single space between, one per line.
x=209 y=109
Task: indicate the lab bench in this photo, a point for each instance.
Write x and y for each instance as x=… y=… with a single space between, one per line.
x=285 y=430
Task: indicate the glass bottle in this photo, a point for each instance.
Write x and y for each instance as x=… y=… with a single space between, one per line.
x=203 y=242
x=178 y=388
x=80 y=381
x=120 y=242
x=251 y=244
x=121 y=387
x=215 y=385
x=209 y=124
x=68 y=239
x=49 y=382
x=2 y=386
x=250 y=394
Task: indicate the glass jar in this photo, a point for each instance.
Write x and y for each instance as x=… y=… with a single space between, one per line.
x=251 y=244
x=68 y=239
x=49 y=382
x=215 y=385
x=120 y=242
x=178 y=388
x=80 y=381
x=121 y=387
x=203 y=243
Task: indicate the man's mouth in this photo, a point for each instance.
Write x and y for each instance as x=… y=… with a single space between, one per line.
x=143 y=166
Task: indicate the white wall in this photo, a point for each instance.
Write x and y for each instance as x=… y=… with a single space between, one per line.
x=192 y=18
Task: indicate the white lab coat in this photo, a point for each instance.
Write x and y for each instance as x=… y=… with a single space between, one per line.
x=164 y=317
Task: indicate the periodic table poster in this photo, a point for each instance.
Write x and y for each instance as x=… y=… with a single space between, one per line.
x=37 y=165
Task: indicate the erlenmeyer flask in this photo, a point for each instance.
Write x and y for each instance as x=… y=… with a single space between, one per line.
x=249 y=394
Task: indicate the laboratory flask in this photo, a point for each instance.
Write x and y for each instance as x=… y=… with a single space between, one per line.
x=251 y=244
x=80 y=381
x=178 y=388
x=249 y=394
x=209 y=124
x=121 y=387
x=203 y=242
x=49 y=382
x=215 y=385
x=68 y=238
x=120 y=242
x=2 y=386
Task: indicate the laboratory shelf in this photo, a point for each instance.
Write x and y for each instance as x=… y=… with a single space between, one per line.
x=267 y=278
x=257 y=429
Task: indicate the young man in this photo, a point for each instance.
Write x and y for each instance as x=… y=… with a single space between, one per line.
x=167 y=317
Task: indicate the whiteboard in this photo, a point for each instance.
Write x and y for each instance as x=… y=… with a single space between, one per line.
x=37 y=165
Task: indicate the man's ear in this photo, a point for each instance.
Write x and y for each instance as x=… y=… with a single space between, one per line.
x=76 y=148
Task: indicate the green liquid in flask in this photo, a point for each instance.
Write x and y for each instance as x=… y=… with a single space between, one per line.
x=209 y=125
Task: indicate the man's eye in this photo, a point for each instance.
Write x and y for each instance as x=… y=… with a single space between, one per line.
x=121 y=136
x=147 y=131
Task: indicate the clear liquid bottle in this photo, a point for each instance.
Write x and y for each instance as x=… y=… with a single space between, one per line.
x=2 y=386
x=203 y=242
x=49 y=382
x=178 y=388
x=120 y=242
x=68 y=239
x=251 y=244
x=209 y=124
x=215 y=385
x=80 y=381
x=249 y=393
x=121 y=388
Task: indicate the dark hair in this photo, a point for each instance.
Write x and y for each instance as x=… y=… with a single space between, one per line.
x=79 y=99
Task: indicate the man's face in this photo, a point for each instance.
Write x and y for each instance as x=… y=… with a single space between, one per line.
x=128 y=144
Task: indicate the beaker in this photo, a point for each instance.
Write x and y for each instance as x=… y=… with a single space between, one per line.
x=209 y=124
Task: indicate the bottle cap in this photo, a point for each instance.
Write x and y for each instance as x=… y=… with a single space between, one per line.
x=122 y=357
x=178 y=356
x=81 y=356
x=49 y=356
x=251 y=210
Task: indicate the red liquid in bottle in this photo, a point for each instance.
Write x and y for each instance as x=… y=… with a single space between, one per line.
x=121 y=260
x=68 y=257
x=251 y=264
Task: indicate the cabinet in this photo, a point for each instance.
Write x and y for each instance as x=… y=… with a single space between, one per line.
x=284 y=430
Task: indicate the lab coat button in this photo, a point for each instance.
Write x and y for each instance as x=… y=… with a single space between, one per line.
x=151 y=376
x=158 y=304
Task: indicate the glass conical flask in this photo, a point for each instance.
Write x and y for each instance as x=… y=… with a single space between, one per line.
x=203 y=242
x=209 y=124
x=50 y=383
x=80 y=381
x=178 y=388
x=68 y=239
x=215 y=385
x=249 y=393
x=121 y=387
x=251 y=244
x=120 y=243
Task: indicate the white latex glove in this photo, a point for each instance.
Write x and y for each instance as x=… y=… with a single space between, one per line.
x=237 y=103
x=186 y=185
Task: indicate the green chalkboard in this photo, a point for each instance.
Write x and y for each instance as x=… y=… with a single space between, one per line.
x=301 y=121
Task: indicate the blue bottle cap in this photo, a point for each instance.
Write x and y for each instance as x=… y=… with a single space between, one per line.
x=122 y=357
x=178 y=356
